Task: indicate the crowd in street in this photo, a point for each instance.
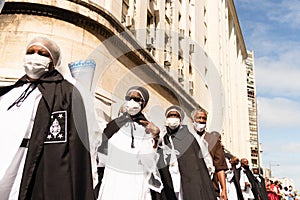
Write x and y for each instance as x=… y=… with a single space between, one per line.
x=277 y=192
x=50 y=150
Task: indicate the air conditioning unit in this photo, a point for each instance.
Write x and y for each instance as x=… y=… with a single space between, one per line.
x=180 y=52
x=180 y=75
x=181 y=33
x=191 y=85
x=192 y=48
x=167 y=63
x=128 y=21
x=180 y=78
x=150 y=42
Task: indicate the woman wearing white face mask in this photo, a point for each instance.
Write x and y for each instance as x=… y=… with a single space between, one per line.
x=181 y=164
x=37 y=61
x=128 y=151
x=45 y=130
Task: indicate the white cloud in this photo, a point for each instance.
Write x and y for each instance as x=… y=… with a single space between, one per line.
x=278 y=112
x=284 y=12
x=284 y=163
x=270 y=28
x=279 y=76
x=267 y=39
x=286 y=146
x=292 y=147
x=254 y=4
x=287 y=11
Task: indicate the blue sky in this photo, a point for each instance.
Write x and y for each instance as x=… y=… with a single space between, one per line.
x=271 y=28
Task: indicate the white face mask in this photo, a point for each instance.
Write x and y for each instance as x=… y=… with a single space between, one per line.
x=36 y=65
x=199 y=127
x=172 y=122
x=132 y=107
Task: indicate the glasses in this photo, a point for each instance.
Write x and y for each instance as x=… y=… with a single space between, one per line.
x=136 y=99
x=200 y=117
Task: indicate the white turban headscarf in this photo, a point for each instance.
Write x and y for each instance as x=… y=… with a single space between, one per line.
x=50 y=46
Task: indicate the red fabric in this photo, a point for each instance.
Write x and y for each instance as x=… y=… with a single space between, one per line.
x=272 y=195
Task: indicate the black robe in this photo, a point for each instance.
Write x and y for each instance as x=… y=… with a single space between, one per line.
x=195 y=181
x=261 y=187
x=236 y=181
x=253 y=181
x=57 y=168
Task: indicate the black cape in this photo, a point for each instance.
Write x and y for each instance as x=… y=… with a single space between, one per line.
x=253 y=181
x=195 y=180
x=261 y=187
x=61 y=168
x=236 y=181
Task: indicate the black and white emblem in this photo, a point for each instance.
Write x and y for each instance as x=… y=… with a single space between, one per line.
x=58 y=128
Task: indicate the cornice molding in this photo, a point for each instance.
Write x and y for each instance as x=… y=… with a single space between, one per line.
x=239 y=33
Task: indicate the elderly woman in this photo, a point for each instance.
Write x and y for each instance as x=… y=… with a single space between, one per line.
x=181 y=164
x=45 y=152
x=129 y=142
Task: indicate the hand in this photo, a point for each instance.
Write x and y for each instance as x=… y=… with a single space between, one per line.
x=150 y=127
x=234 y=160
x=223 y=195
x=247 y=184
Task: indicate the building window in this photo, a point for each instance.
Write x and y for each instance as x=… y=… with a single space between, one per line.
x=125 y=7
x=190 y=69
x=191 y=87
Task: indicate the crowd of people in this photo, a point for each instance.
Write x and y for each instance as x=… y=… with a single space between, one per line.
x=48 y=153
x=277 y=192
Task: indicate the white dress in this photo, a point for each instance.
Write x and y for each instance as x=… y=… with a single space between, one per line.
x=247 y=193
x=16 y=124
x=127 y=170
x=230 y=187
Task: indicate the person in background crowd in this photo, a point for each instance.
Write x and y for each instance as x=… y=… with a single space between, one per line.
x=280 y=189
x=261 y=187
x=292 y=193
x=269 y=188
x=181 y=165
x=251 y=178
x=199 y=117
x=245 y=184
x=286 y=193
x=129 y=144
x=273 y=190
x=231 y=189
x=234 y=191
x=46 y=155
x=236 y=168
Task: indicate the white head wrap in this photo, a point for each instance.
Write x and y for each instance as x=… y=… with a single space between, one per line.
x=50 y=46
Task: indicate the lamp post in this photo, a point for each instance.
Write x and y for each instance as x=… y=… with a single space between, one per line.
x=270 y=167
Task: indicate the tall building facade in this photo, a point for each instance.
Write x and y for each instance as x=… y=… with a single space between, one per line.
x=256 y=149
x=186 y=52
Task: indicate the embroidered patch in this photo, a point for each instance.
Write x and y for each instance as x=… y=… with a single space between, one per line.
x=58 y=128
